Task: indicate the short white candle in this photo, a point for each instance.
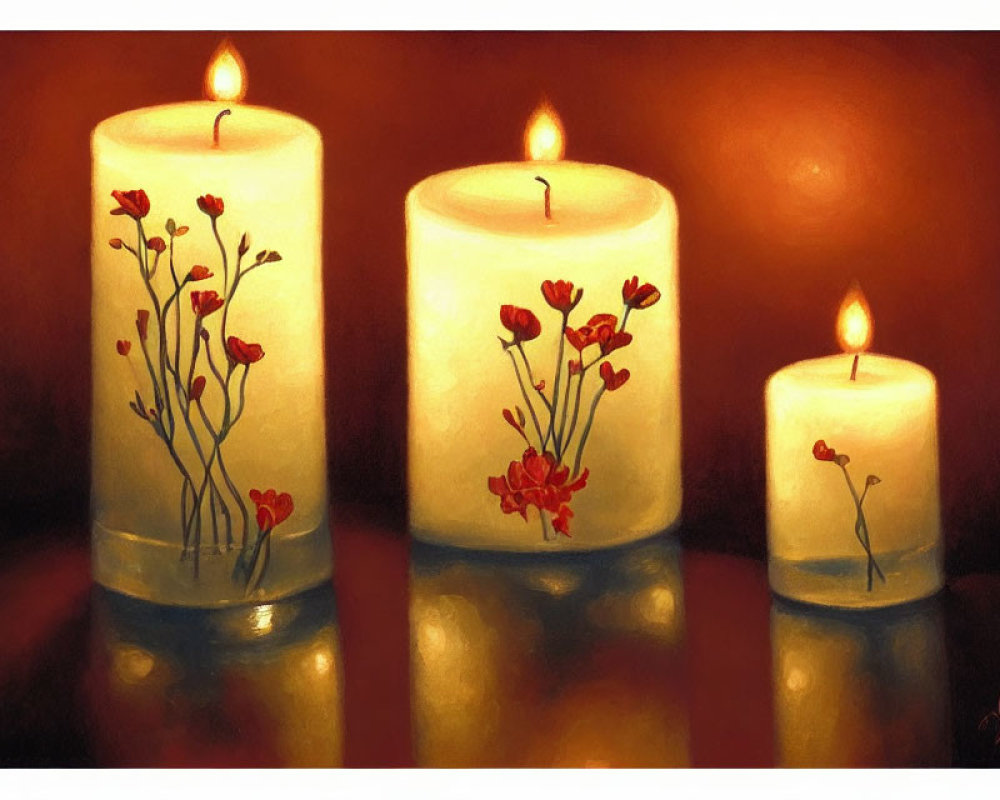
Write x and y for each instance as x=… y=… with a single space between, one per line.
x=479 y=239
x=850 y=464
x=263 y=177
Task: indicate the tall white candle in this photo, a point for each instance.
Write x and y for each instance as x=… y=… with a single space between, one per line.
x=199 y=499
x=852 y=469
x=496 y=257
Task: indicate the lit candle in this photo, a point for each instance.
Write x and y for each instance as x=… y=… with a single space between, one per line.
x=209 y=457
x=852 y=474
x=543 y=353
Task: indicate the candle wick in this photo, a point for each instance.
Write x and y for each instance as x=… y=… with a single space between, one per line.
x=854 y=366
x=548 y=196
x=215 y=127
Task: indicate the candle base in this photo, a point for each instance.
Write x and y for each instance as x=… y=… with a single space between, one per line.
x=155 y=571
x=582 y=540
x=842 y=582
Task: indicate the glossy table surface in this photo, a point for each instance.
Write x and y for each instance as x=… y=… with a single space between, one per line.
x=643 y=656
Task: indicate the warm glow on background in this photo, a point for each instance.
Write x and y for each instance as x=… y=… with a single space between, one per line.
x=854 y=322
x=225 y=78
x=543 y=135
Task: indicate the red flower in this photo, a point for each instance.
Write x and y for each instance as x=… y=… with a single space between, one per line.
x=636 y=296
x=272 y=508
x=197 y=387
x=823 y=453
x=243 y=353
x=613 y=380
x=537 y=480
x=521 y=322
x=123 y=346
x=204 y=303
x=199 y=273
x=116 y=243
x=134 y=203
x=600 y=326
x=211 y=205
x=559 y=295
x=574 y=367
x=142 y=323
x=157 y=244
x=610 y=339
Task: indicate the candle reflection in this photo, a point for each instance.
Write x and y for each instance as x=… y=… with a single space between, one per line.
x=251 y=686
x=539 y=662
x=860 y=689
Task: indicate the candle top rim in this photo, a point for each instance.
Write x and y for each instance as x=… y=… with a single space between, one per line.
x=876 y=372
x=187 y=128
x=504 y=198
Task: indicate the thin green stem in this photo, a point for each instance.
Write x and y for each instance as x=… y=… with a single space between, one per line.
x=524 y=394
x=861 y=529
x=531 y=380
x=553 y=410
x=560 y=449
x=586 y=431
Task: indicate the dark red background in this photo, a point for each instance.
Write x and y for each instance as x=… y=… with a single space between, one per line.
x=799 y=161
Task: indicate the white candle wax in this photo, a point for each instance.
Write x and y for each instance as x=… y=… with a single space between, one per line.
x=478 y=239
x=885 y=423
x=267 y=170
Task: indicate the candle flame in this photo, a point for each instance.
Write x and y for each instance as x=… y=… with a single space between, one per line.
x=225 y=78
x=854 y=322
x=543 y=135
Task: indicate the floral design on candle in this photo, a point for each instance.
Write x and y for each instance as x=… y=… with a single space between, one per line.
x=823 y=453
x=550 y=471
x=179 y=369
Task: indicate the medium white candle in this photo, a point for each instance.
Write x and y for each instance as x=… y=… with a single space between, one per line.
x=256 y=527
x=482 y=452
x=852 y=467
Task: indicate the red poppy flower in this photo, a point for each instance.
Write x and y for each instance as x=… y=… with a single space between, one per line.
x=521 y=322
x=559 y=295
x=537 y=480
x=613 y=380
x=204 y=303
x=199 y=273
x=142 y=323
x=636 y=296
x=197 y=387
x=272 y=508
x=211 y=205
x=133 y=202
x=157 y=244
x=600 y=325
x=116 y=243
x=123 y=346
x=243 y=353
x=823 y=453
x=610 y=339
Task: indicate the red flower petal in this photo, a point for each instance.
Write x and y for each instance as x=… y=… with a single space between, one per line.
x=211 y=205
x=521 y=322
x=197 y=387
x=243 y=353
x=123 y=346
x=199 y=273
x=133 y=202
x=823 y=453
x=613 y=380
